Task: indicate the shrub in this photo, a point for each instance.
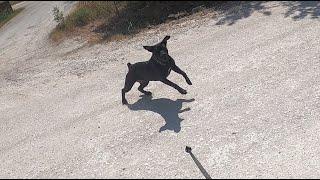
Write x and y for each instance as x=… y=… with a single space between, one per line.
x=58 y=16
x=127 y=17
x=82 y=16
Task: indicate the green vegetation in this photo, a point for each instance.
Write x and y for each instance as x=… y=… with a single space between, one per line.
x=5 y=17
x=120 y=18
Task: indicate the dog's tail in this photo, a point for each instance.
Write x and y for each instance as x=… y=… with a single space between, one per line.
x=129 y=65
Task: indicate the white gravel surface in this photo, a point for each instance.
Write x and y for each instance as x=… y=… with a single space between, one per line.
x=252 y=111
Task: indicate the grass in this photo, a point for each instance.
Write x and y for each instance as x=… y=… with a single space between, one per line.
x=4 y=18
x=85 y=15
x=118 y=19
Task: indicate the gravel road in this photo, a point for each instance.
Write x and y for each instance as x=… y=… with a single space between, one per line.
x=252 y=111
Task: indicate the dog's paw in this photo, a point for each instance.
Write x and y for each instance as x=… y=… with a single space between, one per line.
x=182 y=91
x=124 y=102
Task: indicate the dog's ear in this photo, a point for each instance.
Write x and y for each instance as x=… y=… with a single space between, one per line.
x=164 y=41
x=149 y=48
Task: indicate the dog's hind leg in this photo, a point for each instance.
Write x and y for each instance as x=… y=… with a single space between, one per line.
x=127 y=87
x=143 y=84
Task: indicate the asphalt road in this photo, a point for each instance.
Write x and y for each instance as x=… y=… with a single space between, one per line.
x=252 y=111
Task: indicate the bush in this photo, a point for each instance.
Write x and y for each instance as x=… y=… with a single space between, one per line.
x=82 y=16
x=5 y=7
x=58 y=16
x=128 y=17
x=5 y=17
x=136 y=15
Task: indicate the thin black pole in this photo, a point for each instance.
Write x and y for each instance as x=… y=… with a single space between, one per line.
x=203 y=171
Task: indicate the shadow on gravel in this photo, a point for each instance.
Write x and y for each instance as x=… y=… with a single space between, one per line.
x=297 y=10
x=302 y=9
x=167 y=108
x=241 y=10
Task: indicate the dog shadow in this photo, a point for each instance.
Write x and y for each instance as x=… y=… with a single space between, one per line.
x=167 y=108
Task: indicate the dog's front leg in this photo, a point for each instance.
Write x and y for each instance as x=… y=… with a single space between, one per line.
x=167 y=82
x=176 y=69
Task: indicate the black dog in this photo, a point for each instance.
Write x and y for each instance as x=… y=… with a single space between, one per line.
x=156 y=69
